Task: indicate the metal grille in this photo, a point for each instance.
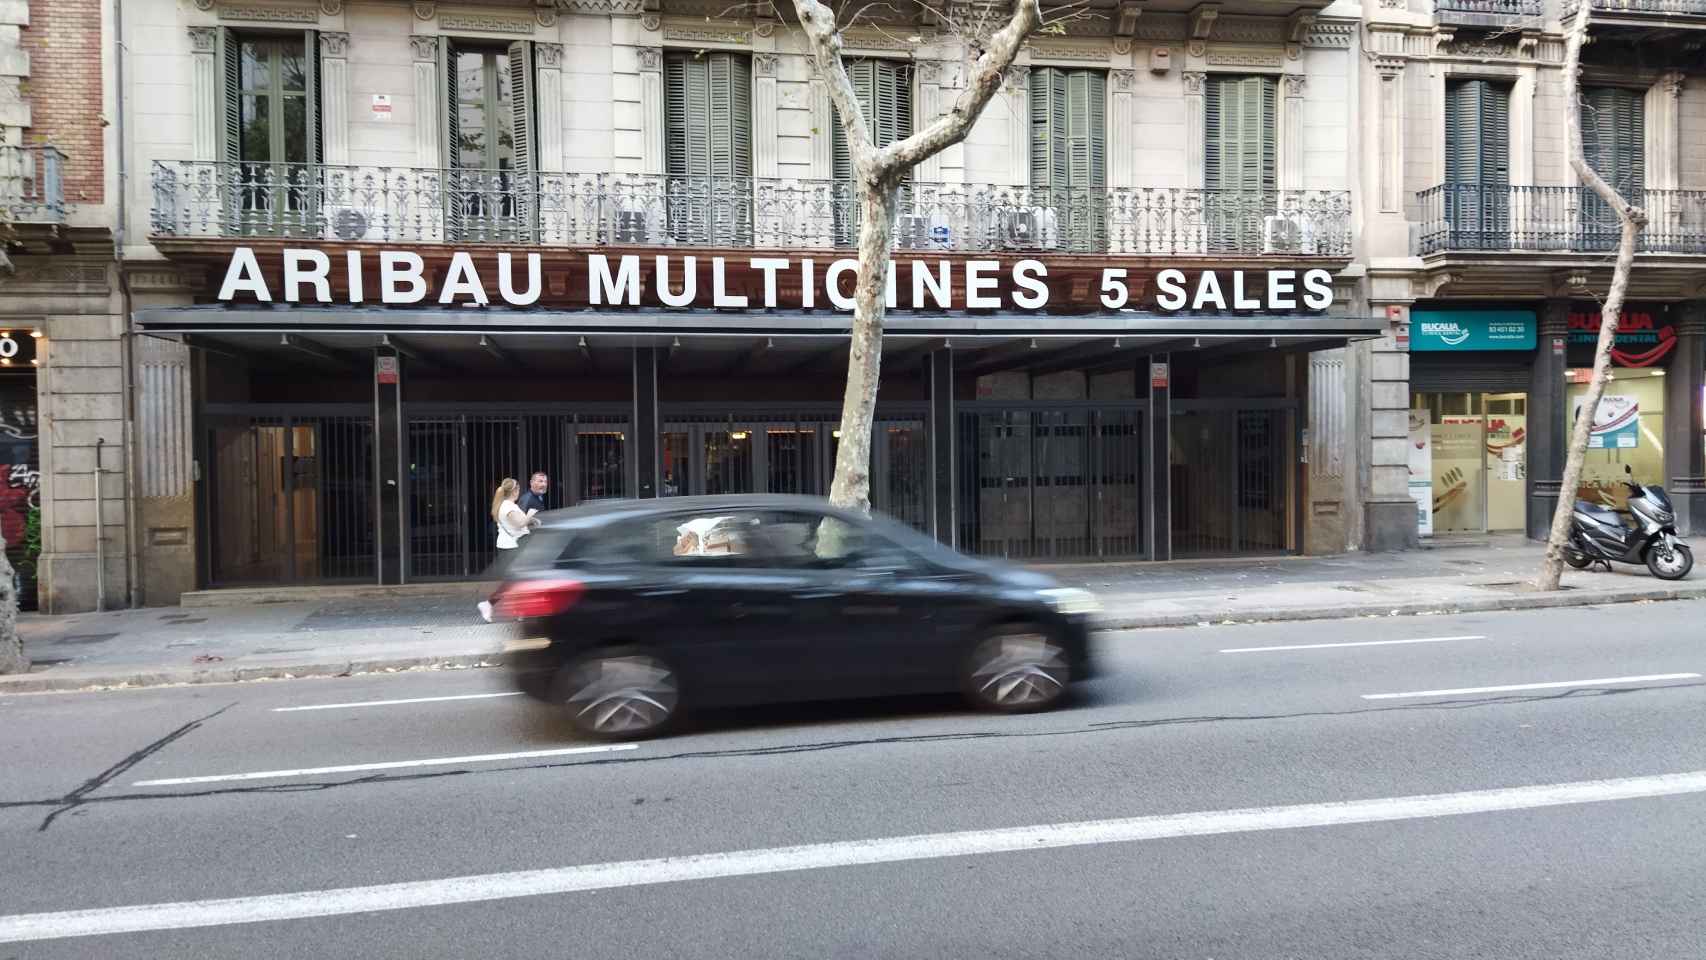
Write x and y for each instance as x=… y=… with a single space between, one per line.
x=455 y=462
x=760 y=450
x=1052 y=482
x=291 y=498
x=1230 y=479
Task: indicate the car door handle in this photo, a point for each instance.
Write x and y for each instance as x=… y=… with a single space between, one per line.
x=822 y=594
x=677 y=591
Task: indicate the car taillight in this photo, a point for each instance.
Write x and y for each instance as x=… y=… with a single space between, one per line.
x=529 y=599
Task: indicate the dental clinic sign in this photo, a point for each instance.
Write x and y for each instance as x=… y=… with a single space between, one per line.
x=402 y=278
x=1459 y=330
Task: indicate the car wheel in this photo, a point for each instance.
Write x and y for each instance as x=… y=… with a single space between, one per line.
x=1017 y=669
x=619 y=694
x=1671 y=565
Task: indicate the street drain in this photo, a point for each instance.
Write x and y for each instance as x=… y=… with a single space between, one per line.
x=88 y=638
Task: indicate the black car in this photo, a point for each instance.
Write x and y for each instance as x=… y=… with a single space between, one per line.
x=631 y=610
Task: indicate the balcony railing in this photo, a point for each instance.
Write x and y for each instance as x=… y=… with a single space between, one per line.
x=1641 y=8
x=30 y=186
x=1490 y=13
x=407 y=205
x=1459 y=217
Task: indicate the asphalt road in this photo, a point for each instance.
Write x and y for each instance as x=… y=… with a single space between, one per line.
x=902 y=829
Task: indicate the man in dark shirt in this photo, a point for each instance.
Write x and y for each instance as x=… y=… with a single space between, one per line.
x=533 y=498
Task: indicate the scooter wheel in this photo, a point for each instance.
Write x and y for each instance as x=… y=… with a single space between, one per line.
x=1675 y=567
x=1577 y=559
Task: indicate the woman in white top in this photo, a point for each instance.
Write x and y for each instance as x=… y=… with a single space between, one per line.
x=512 y=526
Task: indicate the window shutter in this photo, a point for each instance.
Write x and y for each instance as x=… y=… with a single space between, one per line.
x=521 y=130
x=675 y=115
x=1242 y=147
x=450 y=135
x=1042 y=129
x=1614 y=137
x=740 y=114
x=316 y=152
x=1495 y=138
x=230 y=118
x=884 y=90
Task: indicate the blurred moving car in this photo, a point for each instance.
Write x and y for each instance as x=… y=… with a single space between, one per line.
x=631 y=611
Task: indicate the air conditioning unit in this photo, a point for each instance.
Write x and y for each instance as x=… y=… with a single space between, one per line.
x=1029 y=228
x=919 y=232
x=353 y=225
x=1281 y=235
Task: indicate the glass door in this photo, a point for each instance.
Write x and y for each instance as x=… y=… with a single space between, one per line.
x=1479 y=451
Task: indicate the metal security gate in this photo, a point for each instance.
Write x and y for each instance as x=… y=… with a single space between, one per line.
x=290 y=493
x=751 y=449
x=1052 y=481
x=455 y=455
x=1231 y=477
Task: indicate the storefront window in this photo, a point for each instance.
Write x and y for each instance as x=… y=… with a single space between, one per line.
x=1628 y=429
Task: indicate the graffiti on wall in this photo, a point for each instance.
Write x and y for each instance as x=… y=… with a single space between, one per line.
x=20 y=485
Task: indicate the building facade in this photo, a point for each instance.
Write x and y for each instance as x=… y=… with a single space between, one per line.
x=1182 y=292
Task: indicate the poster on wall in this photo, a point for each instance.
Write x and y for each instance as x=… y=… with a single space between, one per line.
x=1459 y=472
x=1421 y=472
x=1616 y=423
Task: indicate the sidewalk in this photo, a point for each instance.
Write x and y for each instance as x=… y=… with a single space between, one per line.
x=333 y=632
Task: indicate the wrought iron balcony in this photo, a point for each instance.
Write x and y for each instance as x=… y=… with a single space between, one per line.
x=30 y=187
x=1465 y=217
x=1486 y=13
x=1643 y=11
x=407 y=205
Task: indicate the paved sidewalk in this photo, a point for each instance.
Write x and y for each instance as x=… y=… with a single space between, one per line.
x=333 y=631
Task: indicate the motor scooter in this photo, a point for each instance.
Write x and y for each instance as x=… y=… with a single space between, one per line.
x=1600 y=535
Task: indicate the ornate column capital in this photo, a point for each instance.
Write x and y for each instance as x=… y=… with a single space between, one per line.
x=550 y=55
x=204 y=39
x=334 y=45
x=1124 y=80
x=1293 y=83
x=1194 y=80
x=765 y=64
x=650 y=59
x=1018 y=77
x=425 y=48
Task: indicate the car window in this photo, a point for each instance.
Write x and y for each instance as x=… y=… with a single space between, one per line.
x=808 y=539
x=676 y=539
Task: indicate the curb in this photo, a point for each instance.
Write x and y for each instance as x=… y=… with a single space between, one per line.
x=142 y=678
x=1535 y=601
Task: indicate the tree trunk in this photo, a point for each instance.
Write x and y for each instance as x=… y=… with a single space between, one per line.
x=12 y=659
x=1632 y=221
x=852 y=485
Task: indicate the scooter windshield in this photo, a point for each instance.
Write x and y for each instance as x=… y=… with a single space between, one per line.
x=1656 y=493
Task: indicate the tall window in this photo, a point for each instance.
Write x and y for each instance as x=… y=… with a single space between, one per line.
x=1069 y=177
x=270 y=129
x=488 y=142
x=708 y=146
x=1614 y=136
x=1239 y=165
x=1477 y=164
x=884 y=89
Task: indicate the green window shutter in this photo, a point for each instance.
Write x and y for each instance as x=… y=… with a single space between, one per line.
x=1477 y=132
x=1239 y=124
x=884 y=90
x=1614 y=137
x=521 y=105
x=1495 y=110
x=450 y=127
x=1068 y=128
x=231 y=115
x=708 y=115
x=316 y=152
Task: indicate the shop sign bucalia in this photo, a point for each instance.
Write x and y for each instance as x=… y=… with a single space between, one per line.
x=307 y=276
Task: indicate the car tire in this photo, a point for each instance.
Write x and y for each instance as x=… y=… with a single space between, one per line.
x=619 y=693
x=1681 y=562
x=1019 y=668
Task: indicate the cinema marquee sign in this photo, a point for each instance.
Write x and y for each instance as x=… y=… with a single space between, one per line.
x=309 y=275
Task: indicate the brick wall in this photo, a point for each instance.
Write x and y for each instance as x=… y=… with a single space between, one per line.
x=63 y=40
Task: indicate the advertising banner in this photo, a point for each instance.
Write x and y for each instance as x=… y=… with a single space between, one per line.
x=1459 y=330
x=1616 y=424
x=1422 y=471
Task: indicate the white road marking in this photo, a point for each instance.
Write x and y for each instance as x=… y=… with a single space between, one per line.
x=1553 y=685
x=392 y=703
x=1359 y=643
x=386 y=765
x=816 y=856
